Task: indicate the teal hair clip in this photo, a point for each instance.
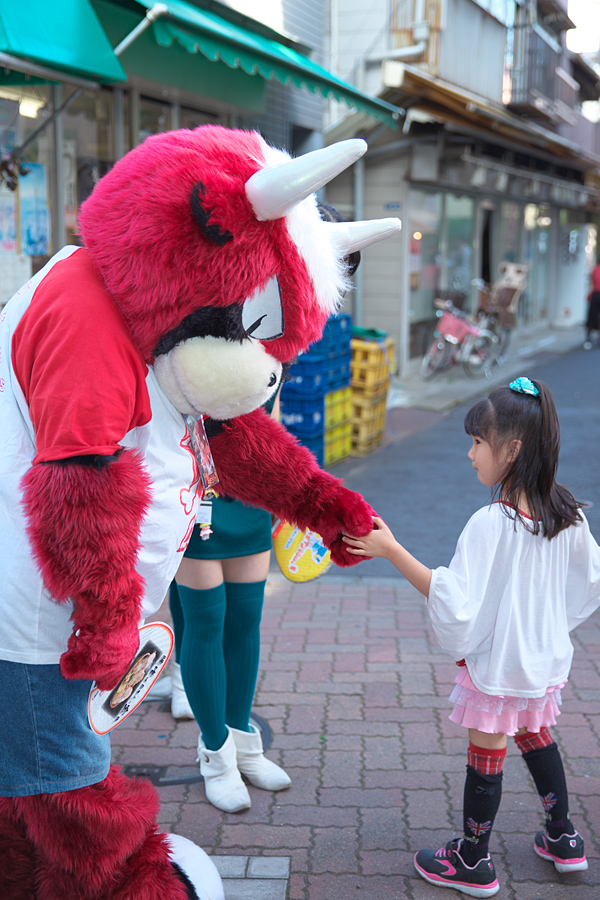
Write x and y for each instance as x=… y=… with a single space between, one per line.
x=524 y=386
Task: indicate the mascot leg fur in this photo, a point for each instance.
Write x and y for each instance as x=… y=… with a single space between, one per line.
x=100 y=843
x=17 y=855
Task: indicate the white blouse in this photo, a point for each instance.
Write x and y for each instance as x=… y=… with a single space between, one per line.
x=509 y=599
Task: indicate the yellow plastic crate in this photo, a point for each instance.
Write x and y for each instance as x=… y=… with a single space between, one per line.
x=372 y=363
x=338 y=443
x=368 y=421
x=367 y=407
x=366 y=446
x=338 y=407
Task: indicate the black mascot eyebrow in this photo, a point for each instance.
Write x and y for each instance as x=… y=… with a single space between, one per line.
x=201 y=216
x=216 y=321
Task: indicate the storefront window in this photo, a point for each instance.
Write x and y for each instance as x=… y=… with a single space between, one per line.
x=25 y=224
x=425 y=253
x=154 y=118
x=537 y=221
x=441 y=257
x=88 y=151
x=507 y=237
x=458 y=219
x=191 y=118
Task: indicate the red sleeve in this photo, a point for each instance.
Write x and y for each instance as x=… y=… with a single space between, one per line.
x=74 y=358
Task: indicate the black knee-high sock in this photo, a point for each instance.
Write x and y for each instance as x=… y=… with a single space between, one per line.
x=481 y=802
x=547 y=771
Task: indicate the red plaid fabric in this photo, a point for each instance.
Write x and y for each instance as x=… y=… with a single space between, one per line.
x=533 y=741
x=484 y=761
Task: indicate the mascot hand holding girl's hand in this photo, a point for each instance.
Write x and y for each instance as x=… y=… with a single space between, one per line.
x=206 y=267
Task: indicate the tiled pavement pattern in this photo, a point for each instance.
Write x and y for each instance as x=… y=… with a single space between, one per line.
x=355 y=691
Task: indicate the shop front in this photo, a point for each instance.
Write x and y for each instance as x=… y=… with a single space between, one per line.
x=458 y=242
x=84 y=81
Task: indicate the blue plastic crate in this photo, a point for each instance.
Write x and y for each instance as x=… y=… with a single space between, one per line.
x=337 y=335
x=303 y=415
x=307 y=376
x=339 y=372
x=338 y=324
x=316 y=445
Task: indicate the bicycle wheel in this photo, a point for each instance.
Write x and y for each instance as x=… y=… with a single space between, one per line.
x=479 y=356
x=435 y=359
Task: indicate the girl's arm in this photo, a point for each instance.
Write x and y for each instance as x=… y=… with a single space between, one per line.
x=381 y=543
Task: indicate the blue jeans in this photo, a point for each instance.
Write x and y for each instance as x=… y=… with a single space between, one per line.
x=46 y=743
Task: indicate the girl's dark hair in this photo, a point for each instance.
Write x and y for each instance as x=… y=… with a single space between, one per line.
x=506 y=416
x=330 y=214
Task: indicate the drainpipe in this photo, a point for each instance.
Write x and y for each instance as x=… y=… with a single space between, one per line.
x=359 y=204
x=358 y=215
x=59 y=232
x=420 y=32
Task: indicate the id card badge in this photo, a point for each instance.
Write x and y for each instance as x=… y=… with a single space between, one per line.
x=204 y=516
x=201 y=448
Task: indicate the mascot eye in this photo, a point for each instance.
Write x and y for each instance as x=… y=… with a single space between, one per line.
x=262 y=313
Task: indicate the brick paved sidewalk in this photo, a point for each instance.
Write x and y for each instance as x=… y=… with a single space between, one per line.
x=355 y=691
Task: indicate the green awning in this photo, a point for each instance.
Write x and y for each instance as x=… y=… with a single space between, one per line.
x=64 y=36
x=217 y=39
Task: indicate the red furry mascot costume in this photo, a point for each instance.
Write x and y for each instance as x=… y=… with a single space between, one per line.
x=206 y=267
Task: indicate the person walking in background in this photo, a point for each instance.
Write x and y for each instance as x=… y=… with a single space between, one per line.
x=593 y=315
x=216 y=605
x=525 y=573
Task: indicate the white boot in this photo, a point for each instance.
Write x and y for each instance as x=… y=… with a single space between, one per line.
x=252 y=762
x=180 y=707
x=222 y=781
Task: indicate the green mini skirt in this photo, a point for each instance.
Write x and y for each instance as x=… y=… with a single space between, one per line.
x=237 y=530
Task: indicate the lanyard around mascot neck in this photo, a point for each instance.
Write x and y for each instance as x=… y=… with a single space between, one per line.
x=208 y=473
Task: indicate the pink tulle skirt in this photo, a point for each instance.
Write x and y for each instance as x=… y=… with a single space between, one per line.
x=502 y=715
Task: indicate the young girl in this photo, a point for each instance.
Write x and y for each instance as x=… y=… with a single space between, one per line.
x=526 y=572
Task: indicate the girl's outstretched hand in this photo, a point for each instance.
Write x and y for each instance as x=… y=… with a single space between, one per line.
x=380 y=542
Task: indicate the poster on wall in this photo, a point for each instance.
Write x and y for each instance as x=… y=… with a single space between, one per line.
x=8 y=220
x=33 y=211
x=15 y=268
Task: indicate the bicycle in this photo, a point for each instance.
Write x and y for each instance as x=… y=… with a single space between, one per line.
x=459 y=338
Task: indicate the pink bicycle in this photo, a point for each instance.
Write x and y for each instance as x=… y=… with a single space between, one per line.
x=459 y=338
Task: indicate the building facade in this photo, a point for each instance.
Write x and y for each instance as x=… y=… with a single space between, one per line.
x=83 y=81
x=493 y=159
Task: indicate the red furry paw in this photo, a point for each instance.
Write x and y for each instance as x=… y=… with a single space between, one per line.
x=341 y=557
x=103 y=658
x=347 y=513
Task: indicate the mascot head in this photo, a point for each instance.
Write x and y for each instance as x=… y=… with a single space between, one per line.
x=213 y=247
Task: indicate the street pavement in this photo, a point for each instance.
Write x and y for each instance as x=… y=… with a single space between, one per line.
x=352 y=691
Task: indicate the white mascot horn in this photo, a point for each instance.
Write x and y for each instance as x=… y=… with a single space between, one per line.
x=274 y=191
x=353 y=236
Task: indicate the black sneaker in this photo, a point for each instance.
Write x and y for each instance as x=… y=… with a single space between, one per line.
x=446 y=868
x=566 y=852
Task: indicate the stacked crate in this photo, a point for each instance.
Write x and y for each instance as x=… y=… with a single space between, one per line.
x=371 y=366
x=316 y=400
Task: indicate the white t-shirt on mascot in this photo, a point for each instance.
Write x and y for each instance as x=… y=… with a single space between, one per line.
x=128 y=410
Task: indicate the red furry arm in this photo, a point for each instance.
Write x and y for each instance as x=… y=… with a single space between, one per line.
x=84 y=527
x=258 y=461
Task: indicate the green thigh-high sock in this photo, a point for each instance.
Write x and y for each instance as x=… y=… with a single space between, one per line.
x=177 y=616
x=241 y=648
x=202 y=664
